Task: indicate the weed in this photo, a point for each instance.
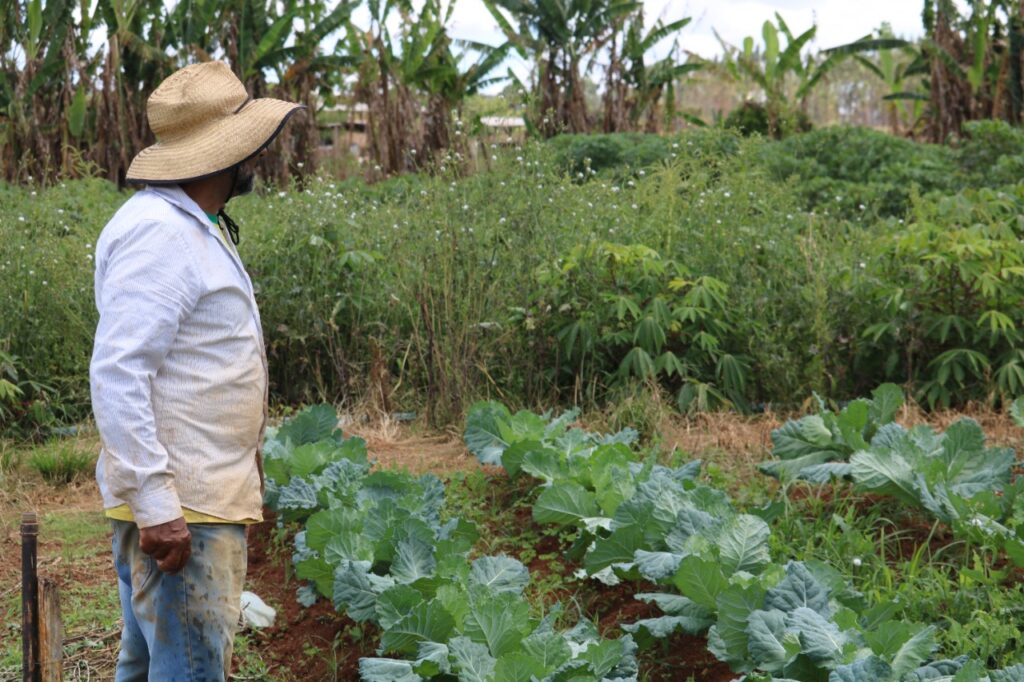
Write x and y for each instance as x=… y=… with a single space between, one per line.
x=248 y=663
x=61 y=463
x=894 y=557
x=639 y=405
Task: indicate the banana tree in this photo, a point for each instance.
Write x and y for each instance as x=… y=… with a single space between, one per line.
x=414 y=81
x=633 y=87
x=447 y=85
x=268 y=43
x=426 y=65
x=559 y=36
x=950 y=92
x=134 y=65
x=194 y=29
x=782 y=73
x=35 y=87
x=901 y=66
x=394 y=126
x=972 y=73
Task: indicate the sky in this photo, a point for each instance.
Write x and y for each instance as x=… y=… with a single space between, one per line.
x=838 y=21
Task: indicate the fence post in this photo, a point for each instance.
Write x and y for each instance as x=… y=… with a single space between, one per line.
x=29 y=599
x=51 y=633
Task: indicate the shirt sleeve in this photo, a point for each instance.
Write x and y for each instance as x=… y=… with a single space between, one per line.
x=146 y=286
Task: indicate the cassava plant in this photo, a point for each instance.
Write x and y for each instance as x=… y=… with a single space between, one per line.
x=619 y=313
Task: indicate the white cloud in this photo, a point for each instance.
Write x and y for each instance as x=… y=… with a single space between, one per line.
x=838 y=21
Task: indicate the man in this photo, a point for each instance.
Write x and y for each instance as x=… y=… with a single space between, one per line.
x=179 y=378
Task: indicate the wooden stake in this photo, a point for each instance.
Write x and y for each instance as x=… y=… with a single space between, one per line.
x=51 y=632
x=29 y=599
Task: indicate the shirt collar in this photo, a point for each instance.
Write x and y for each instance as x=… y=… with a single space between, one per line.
x=175 y=195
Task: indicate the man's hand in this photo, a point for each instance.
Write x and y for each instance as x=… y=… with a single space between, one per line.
x=169 y=543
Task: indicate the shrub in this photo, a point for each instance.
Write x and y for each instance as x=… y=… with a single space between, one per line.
x=991 y=153
x=621 y=313
x=860 y=173
x=418 y=293
x=750 y=118
x=46 y=301
x=952 y=286
x=616 y=151
x=61 y=463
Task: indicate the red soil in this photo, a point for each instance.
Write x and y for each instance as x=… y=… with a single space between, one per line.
x=285 y=647
x=288 y=647
x=676 y=659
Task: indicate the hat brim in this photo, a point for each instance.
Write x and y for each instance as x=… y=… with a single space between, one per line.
x=214 y=148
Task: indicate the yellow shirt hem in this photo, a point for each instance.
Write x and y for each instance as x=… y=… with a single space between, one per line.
x=124 y=513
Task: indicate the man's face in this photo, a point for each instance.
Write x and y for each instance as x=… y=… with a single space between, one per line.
x=244 y=179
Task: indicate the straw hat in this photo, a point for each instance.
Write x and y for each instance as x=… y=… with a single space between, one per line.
x=205 y=123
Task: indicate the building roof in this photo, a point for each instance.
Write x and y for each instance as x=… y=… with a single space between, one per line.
x=503 y=121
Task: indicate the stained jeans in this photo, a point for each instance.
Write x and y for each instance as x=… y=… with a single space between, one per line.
x=180 y=628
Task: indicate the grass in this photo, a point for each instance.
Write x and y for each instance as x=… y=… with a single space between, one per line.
x=74 y=549
x=893 y=555
x=62 y=464
x=248 y=664
x=58 y=460
x=501 y=509
x=78 y=534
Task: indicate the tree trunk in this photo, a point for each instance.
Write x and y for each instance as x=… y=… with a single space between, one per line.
x=550 y=99
x=576 y=100
x=950 y=96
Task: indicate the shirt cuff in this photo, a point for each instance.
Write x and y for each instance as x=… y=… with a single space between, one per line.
x=156 y=507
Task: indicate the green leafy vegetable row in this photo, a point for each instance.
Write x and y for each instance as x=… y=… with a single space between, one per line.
x=951 y=475
x=374 y=543
x=636 y=520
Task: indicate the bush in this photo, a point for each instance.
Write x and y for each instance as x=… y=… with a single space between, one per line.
x=620 y=313
x=28 y=408
x=991 y=153
x=46 y=294
x=610 y=152
x=61 y=463
x=642 y=406
x=750 y=118
x=951 y=283
x=858 y=173
x=406 y=293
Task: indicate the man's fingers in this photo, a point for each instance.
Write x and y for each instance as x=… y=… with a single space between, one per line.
x=175 y=559
x=184 y=558
x=169 y=544
x=161 y=540
x=160 y=552
x=176 y=556
x=146 y=545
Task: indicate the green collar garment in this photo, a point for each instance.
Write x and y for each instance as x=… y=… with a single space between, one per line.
x=215 y=219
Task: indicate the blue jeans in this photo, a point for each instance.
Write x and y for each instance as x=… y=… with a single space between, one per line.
x=180 y=628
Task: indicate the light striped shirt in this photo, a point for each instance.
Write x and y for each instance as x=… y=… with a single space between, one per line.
x=178 y=373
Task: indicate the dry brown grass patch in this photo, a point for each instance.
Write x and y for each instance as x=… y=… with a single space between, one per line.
x=737 y=443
